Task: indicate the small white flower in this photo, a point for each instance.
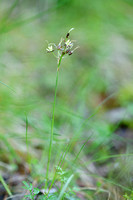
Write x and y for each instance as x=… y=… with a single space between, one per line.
x=69 y=44
x=50 y=49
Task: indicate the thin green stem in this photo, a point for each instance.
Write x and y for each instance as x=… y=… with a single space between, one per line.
x=5 y=185
x=52 y=124
x=81 y=149
x=27 y=145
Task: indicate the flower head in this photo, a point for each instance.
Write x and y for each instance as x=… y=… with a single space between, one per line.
x=63 y=48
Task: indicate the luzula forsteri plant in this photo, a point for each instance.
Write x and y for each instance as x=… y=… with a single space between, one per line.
x=65 y=47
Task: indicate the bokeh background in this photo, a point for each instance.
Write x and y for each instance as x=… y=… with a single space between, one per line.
x=95 y=91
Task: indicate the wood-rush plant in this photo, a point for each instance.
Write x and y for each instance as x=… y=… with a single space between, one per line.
x=65 y=47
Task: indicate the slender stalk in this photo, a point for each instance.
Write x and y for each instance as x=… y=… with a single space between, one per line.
x=26 y=133
x=5 y=185
x=27 y=142
x=52 y=124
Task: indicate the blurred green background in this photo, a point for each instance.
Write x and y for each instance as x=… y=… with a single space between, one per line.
x=97 y=79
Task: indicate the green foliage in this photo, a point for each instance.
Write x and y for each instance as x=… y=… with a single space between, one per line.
x=63 y=190
x=128 y=196
x=66 y=195
x=33 y=191
x=60 y=174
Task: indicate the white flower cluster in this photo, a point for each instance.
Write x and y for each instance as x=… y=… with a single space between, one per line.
x=64 y=47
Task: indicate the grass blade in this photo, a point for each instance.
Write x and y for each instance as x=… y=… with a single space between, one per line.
x=65 y=187
x=5 y=185
x=7 y=86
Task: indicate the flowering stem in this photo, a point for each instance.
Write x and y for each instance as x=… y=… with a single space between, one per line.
x=52 y=124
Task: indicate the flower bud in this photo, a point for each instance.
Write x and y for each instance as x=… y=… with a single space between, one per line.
x=70 y=53
x=67 y=35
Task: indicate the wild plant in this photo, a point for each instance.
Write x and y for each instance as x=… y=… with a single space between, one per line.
x=128 y=196
x=64 y=48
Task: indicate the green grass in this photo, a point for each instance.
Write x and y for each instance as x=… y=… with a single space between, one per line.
x=5 y=186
